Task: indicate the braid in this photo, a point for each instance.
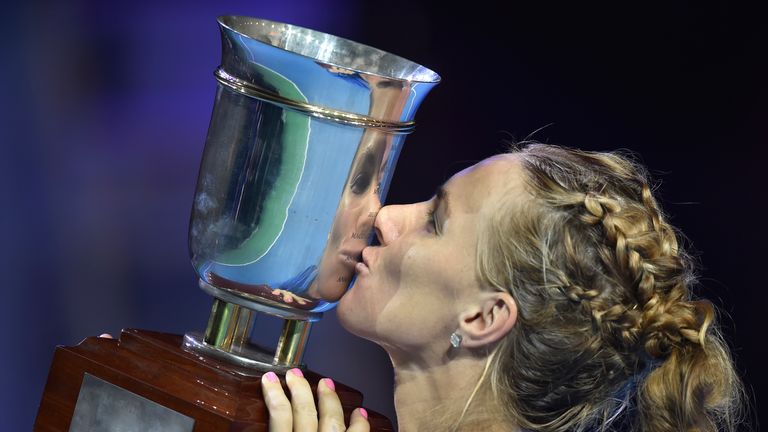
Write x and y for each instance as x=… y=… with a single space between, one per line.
x=602 y=286
x=646 y=250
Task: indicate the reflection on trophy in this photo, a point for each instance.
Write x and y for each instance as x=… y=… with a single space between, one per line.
x=305 y=133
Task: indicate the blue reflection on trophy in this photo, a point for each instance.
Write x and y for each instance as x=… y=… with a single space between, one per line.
x=305 y=133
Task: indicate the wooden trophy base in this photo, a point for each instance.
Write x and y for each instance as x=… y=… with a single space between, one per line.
x=145 y=381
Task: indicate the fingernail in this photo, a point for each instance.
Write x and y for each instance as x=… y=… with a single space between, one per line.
x=297 y=372
x=364 y=413
x=271 y=377
x=329 y=383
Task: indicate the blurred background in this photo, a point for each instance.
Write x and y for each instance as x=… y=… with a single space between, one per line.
x=104 y=108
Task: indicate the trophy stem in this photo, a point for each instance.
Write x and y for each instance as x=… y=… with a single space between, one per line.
x=229 y=325
x=227 y=337
x=293 y=340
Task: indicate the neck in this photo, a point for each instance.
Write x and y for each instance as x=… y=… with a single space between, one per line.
x=431 y=395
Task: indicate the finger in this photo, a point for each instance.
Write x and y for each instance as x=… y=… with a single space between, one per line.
x=302 y=401
x=358 y=421
x=331 y=413
x=280 y=416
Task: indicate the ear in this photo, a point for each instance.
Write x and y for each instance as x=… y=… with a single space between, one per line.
x=489 y=320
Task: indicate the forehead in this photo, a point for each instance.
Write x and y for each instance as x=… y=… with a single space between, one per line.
x=486 y=182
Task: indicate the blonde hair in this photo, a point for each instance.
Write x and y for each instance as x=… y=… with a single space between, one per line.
x=608 y=333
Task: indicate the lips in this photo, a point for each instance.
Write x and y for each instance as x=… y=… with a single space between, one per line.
x=361 y=268
x=365 y=265
x=367 y=256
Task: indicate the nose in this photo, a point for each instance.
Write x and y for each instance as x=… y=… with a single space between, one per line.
x=387 y=224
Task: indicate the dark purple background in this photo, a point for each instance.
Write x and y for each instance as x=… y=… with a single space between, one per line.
x=105 y=106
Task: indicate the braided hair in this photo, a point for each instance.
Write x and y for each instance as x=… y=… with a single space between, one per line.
x=608 y=332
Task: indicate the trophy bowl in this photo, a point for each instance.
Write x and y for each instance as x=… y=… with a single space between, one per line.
x=304 y=137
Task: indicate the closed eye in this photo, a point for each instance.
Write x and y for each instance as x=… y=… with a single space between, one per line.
x=363 y=174
x=432 y=223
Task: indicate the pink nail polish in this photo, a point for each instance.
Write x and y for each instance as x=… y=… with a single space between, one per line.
x=297 y=372
x=364 y=413
x=329 y=383
x=271 y=377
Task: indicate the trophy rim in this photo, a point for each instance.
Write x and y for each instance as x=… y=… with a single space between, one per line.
x=241 y=24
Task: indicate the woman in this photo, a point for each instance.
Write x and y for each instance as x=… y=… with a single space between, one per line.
x=541 y=289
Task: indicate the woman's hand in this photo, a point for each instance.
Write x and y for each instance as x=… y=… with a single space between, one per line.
x=299 y=414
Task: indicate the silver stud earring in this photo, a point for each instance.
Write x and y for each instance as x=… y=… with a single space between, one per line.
x=455 y=339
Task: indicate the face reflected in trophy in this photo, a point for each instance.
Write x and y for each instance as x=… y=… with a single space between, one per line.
x=305 y=133
x=360 y=202
x=352 y=226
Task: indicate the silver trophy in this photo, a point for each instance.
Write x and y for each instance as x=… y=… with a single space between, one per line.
x=305 y=133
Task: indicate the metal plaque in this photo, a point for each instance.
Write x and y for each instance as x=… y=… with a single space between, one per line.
x=104 y=407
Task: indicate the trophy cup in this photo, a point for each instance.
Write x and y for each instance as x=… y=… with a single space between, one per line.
x=305 y=133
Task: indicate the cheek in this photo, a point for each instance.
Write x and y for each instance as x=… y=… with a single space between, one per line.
x=370 y=300
x=412 y=321
x=411 y=298
x=422 y=309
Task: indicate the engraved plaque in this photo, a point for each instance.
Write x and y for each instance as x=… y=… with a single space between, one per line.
x=105 y=407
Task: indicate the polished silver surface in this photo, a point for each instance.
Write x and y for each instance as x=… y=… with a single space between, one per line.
x=104 y=407
x=253 y=360
x=305 y=133
x=248 y=89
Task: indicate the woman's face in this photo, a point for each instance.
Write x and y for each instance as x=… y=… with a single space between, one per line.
x=411 y=290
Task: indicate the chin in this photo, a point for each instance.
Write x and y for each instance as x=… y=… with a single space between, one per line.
x=352 y=318
x=344 y=312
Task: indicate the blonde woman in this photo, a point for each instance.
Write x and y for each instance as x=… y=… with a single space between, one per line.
x=542 y=289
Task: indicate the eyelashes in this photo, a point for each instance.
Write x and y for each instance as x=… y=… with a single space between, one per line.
x=364 y=175
x=361 y=183
x=431 y=222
